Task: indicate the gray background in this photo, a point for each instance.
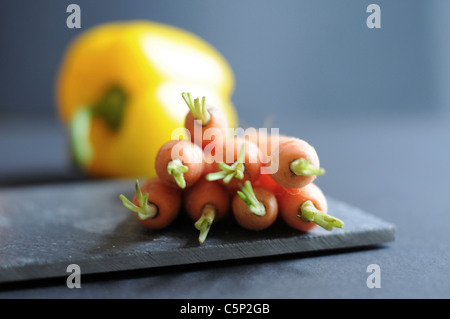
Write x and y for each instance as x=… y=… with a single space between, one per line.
x=374 y=103
x=299 y=56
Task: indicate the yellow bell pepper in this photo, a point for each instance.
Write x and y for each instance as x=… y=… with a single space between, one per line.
x=119 y=91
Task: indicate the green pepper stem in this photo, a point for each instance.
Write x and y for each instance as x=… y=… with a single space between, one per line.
x=303 y=167
x=203 y=224
x=197 y=108
x=109 y=108
x=309 y=212
x=177 y=169
x=145 y=210
x=248 y=196
x=228 y=172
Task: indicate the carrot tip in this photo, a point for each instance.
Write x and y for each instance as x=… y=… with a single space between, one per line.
x=203 y=224
x=228 y=172
x=177 y=169
x=215 y=176
x=248 y=196
x=303 y=167
x=309 y=212
x=145 y=210
x=197 y=108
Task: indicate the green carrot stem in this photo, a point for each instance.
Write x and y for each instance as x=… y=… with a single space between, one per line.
x=228 y=172
x=216 y=176
x=197 y=108
x=203 y=224
x=145 y=210
x=177 y=170
x=303 y=167
x=248 y=196
x=309 y=212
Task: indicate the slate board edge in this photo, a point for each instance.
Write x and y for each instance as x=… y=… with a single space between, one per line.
x=266 y=248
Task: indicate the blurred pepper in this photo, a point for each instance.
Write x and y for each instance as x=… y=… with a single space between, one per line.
x=119 y=92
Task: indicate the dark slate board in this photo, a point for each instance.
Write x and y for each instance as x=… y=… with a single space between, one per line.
x=45 y=228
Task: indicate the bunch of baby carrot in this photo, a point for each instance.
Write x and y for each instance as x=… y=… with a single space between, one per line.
x=212 y=175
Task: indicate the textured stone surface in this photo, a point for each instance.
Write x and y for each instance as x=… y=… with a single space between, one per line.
x=45 y=228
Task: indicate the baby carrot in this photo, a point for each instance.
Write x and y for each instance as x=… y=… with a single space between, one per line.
x=306 y=208
x=298 y=163
x=294 y=163
x=206 y=203
x=254 y=209
x=204 y=121
x=179 y=163
x=155 y=205
x=240 y=162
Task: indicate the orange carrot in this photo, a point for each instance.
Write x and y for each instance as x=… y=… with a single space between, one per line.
x=206 y=202
x=254 y=209
x=298 y=163
x=240 y=161
x=179 y=163
x=266 y=181
x=205 y=123
x=155 y=205
x=306 y=208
